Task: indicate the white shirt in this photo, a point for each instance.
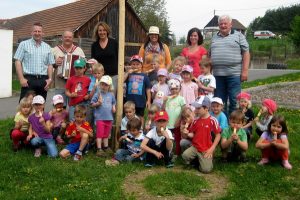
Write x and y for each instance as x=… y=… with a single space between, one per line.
x=152 y=134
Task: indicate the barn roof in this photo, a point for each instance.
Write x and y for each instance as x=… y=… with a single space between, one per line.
x=235 y=23
x=55 y=20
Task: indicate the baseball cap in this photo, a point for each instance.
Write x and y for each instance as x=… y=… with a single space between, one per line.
x=137 y=58
x=38 y=99
x=174 y=83
x=153 y=30
x=80 y=63
x=162 y=72
x=243 y=95
x=217 y=100
x=106 y=79
x=57 y=99
x=161 y=115
x=187 y=68
x=201 y=101
x=270 y=105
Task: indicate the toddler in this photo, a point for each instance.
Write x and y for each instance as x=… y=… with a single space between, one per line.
x=206 y=81
x=189 y=89
x=216 y=111
x=177 y=64
x=150 y=124
x=160 y=87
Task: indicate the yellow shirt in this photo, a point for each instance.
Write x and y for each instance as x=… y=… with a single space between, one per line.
x=20 y=117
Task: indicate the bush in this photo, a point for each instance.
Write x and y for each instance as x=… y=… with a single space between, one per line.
x=293 y=63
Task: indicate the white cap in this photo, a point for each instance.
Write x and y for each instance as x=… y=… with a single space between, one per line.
x=57 y=99
x=38 y=99
x=106 y=79
x=217 y=100
x=153 y=30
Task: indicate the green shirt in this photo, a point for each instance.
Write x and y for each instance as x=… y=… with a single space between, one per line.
x=227 y=132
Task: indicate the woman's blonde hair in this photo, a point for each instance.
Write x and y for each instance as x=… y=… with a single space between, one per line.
x=105 y=26
x=24 y=103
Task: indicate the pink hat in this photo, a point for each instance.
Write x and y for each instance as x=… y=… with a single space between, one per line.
x=137 y=58
x=244 y=95
x=57 y=99
x=187 y=68
x=270 y=105
x=162 y=72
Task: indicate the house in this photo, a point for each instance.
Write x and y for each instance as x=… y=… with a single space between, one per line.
x=80 y=17
x=212 y=27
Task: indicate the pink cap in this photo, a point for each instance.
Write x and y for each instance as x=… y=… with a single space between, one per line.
x=162 y=72
x=270 y=105
x=57 y=99
x=137 y=58
x=187 y=68
x=243 y=95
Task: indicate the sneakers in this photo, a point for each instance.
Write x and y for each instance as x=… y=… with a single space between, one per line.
x=38 y=152
x=78 y=156
x=107 y=150
x=169 y=165
x=149 y=165
x=112 y=162
x=100 y=153
x=263 y=161
x=286 y=164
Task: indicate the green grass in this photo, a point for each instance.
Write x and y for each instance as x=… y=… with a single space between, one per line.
x=16 y=85
x=175 y=183
x=293 y=63
x=276 y=79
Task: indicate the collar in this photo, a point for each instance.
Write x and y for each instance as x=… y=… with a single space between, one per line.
x=35 y=43
x=230 y=33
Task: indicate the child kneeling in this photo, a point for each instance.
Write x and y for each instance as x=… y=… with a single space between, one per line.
x=132 y=141
x=79 y=132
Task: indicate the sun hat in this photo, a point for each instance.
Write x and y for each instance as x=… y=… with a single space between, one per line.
x=161 y=115
x=38 y=99
x=217 y=100
x=137 y=58
x=201 y=101
x=243 y=95
x=80 y=63
x=187 y=68
x=270 y=105
x=106 y=79
x=153 y=30
x=162 y=72
x=57 y=99
x=174 y=83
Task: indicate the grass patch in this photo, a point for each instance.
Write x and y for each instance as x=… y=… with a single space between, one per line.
x=175 y=183
x=293 y=63
x=275 y=79
x=16 y=85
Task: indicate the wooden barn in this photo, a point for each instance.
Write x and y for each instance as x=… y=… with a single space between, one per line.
x=81 y=17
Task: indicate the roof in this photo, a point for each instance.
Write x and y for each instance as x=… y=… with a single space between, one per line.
x=235 y=23
x=55 y=20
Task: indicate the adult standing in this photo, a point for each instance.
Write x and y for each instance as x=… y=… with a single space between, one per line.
x=65 y=55
x=154 y=51
x=194 y=52
x=230 y=59
x=105 y=50
x=33 y=61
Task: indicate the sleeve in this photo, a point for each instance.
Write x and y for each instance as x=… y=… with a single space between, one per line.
x=212 y=82
x=203 y=51
x=263 y=127
x=223 y=121
x=225 y=133
x=147 y=82
x=92 y=83
x=251 y=115
x=182 y=102
x=243 y=43
x=86 y=125
x=215 y=126
x=50 y=59
x=243 y=135
x=113 y=99
x=80 y=52
x=149 y=135
x=264 y=135
x=17 y=117
x=46 y=116
x=170 y=135
x=69 y=129
x=123 y=124
x=154 y=88
x=95 y=97
x=168 y=55
x=184 y=52
x=19 y=55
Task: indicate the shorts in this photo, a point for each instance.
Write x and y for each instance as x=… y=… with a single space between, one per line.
x=103 y=128
x=73 y=147
x=140 y=112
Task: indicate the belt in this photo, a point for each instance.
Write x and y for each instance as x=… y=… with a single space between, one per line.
x=36 y=76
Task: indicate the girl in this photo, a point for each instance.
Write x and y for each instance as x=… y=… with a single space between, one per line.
x=274 y=143
x=59 y=118
x=161 y=86
x=177 y=64
x=185 y=138
x=206 y=81
x=152 y=73
x=149 y=124
x=266 y=112
x=244 y=104
x=20 y=131
x=189 y=89
x=40 y=129
x=104 y=104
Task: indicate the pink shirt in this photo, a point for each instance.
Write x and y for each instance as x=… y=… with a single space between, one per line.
x=193 y=58
x=189 y=91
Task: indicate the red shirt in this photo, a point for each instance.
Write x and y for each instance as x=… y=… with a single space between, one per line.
x=202 y=129
x=72 y=129
x=79 y=84
x=193 y=58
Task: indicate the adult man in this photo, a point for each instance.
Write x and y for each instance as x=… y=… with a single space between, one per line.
x=230 y=59
x=33 y=61
x=65 y=55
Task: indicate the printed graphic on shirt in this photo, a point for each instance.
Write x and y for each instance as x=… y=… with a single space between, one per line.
x=135 y=84
x=78 y=87
x=205 y=82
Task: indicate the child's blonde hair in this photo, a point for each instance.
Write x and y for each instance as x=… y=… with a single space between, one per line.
x=129 y=105
x=178 y=58
x=153 y=108
x=80 y=109
x=206 y=62
x=24 y=103
x=186 y=111
x=98 y=67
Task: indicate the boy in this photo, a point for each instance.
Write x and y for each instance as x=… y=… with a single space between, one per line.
x=216 y=111
x=202 y=146
x=129 y=111
x=79 y=132
x=234 y=138
x=138 y=86
x=132 y=140
x=158 y=142
x=77 y=87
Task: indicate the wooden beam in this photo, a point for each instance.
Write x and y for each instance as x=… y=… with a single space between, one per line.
x=133 y=44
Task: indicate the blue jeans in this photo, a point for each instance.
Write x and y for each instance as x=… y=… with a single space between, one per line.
x=228 y=87
x=124 y=155
x=37 y=142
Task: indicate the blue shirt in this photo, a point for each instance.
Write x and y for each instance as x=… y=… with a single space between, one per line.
x=104 y=111
x=222 y=119
x=35 y=59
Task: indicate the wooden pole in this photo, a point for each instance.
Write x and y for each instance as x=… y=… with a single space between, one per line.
x=120 y=70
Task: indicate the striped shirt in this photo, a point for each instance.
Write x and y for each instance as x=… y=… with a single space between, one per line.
x=35 y=59
x=226 y=53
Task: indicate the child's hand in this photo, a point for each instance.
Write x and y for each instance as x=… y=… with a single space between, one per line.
x=73 y=95
x=209 y=153
x=73 y=134
x=158 y=155
x=135 y=155
x=20 y=123
x=80 y=129
x=86 y=97
x=42 y=120
x=63 y=125
x=28 y=138
x=190 y=135
x=113 y=109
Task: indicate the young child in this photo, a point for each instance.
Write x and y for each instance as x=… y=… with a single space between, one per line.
x=206 y=81
x=40 y=128
x=274 y=144
x=132 y=150
x=244 y=104
x=20 y=131
x=189 y=89
x=59 y=118
x=202 y=146
x=266 y=113
x=138 y=86
x=234 y=138
x=185 y=138
x=79 y=131
x=177 y=64
x=129 y=111
x=161 y=86
x=104 y=104
x=152 y=73
x=158 y=142
x=150 y=124
x=77 y=87
x=30 y=94
x=98 y=72
x=216 y=111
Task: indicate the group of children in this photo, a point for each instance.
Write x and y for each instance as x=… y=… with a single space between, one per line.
x=181 y=111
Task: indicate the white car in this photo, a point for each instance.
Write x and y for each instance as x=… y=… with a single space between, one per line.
x=264 y=35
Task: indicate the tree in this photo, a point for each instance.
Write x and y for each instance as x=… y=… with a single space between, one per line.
x=153 y=13
x=182 y=40
x=295 y=33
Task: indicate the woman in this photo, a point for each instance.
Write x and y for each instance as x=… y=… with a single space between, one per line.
x=105 y=50
x=195 y=51
x=154 y=51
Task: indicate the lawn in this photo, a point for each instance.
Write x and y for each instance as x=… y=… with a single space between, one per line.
x=25 y=177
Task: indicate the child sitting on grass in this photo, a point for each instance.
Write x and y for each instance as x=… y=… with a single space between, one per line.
x=234 y=138
x=150 y=124
x=79 y=133
x=132 y=140
x=216 y=111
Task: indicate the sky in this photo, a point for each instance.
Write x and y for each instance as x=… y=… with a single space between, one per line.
x=183 y=14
